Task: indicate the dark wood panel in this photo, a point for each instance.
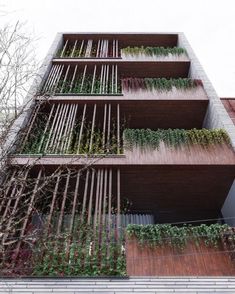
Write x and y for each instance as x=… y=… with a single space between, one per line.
x=165 y=114
x=173 y=193
x=177 y=193
x=168 y=113
x=139 y=69
x=129 y=39
x=165 y=261
x=188 y=155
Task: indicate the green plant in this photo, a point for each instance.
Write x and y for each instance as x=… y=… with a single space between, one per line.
x=85 y=255
x=34 y=139
x=173 y=137
x=175 y=236
x=77 y=53
x=159 y=84
x=69 y=51
x=81 y=86
x=97 y=146
x=37 y=140
x=153 y=51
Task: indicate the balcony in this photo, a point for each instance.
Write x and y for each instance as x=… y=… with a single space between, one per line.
x=167 y=69
x=121 y=46
x=82 y=80
x=70 y=134
x=107 y=80
x=80 y=48
x=178 y=102
x=73 y=217
x=165 y=250
x=72 y=129
x=77 y=209
x=111 y=79
x=160 y=169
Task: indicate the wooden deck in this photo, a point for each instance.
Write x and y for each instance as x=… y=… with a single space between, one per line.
x=165 y=261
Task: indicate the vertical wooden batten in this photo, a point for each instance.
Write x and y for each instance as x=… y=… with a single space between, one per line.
x=52 y=205
x=60 y=221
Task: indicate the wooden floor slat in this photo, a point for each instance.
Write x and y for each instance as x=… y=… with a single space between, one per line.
x=166 y=261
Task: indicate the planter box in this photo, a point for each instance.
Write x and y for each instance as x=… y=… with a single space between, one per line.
x=220 y=154
x=145 y=57
x=166 y=261
x=196 y=93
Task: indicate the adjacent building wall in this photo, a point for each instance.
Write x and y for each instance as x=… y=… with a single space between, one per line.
x=228 y=209
x=216 y=116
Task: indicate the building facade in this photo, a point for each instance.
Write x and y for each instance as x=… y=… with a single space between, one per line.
x=123 y=129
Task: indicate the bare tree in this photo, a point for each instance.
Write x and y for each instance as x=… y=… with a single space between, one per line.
x=26 y=196
x=18 y=66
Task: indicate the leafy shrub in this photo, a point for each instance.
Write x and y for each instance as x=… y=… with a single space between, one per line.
x=153 y=51
x=173 y=137
x=159 y=84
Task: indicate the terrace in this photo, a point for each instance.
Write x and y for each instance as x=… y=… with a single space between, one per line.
x=81 y=223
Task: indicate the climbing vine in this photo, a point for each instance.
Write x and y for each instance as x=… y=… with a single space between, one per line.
x=174 y=137
x=85 y=256
x=175 y=236
x=38 y=140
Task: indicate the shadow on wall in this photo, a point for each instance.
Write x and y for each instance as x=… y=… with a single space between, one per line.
x=228 y=209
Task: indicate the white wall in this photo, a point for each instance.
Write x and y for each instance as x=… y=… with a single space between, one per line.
x=228 y=209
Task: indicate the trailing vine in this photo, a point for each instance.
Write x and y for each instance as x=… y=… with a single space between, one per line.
x=151 y=51
x=174 y=137
x=159 y=84
x=166 y=234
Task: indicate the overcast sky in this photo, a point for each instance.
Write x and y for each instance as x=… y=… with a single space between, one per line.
x=209 y=26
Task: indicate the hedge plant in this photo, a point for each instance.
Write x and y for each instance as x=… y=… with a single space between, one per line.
x=173 y=137
x=175 y=236
x=153 y=51
x=159 y=84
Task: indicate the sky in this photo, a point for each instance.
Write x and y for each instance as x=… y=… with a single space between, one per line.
x=209 y=26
